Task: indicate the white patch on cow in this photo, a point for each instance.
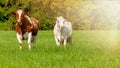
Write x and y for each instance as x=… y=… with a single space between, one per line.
x=65 y=40
x=19 y=14
x=60 y=21
x=19 y=37
x=29 y=39
x=57 y=35
x=26 y=35
x=57 y=42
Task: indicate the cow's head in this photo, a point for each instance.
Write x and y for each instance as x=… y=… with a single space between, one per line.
x=60 y=21
x=19 y=14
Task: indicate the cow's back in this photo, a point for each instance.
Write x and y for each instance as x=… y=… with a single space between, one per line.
x=35 y=26
x=66 y=30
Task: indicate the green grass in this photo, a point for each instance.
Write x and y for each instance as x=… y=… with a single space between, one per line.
x=90 y=49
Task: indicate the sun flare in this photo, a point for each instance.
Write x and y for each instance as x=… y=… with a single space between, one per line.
x=110 y=10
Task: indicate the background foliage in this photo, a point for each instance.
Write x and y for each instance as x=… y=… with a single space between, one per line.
x=84 y=14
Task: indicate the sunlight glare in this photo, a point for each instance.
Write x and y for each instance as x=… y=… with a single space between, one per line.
x=111 y=8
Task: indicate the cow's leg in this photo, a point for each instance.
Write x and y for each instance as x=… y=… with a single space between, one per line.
x=70 y=40
x=65 y=40
x=57 y=42
x=19 y=37
x=29 y=40
x=34 y=41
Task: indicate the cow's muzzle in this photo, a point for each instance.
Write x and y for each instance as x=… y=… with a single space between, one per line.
x=20 y=23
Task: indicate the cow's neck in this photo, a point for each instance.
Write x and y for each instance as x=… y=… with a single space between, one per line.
x=26 y=21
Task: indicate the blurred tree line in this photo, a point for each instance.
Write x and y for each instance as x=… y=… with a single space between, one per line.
x=83 y=14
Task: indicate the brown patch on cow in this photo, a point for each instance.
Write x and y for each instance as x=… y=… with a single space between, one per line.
x=35 y=26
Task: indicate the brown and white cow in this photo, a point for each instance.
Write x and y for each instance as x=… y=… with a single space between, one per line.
x=62 y=31
x=26 y=28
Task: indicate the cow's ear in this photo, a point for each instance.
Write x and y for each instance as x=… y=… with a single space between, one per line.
x=13 y=13
x=55 y=18
x=26 y=13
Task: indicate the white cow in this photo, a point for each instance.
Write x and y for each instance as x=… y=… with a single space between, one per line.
x=62 y=31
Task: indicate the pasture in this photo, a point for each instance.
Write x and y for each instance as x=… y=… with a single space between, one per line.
x=90 y=49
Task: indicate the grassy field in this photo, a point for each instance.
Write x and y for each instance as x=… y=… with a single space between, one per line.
x=90 y=49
